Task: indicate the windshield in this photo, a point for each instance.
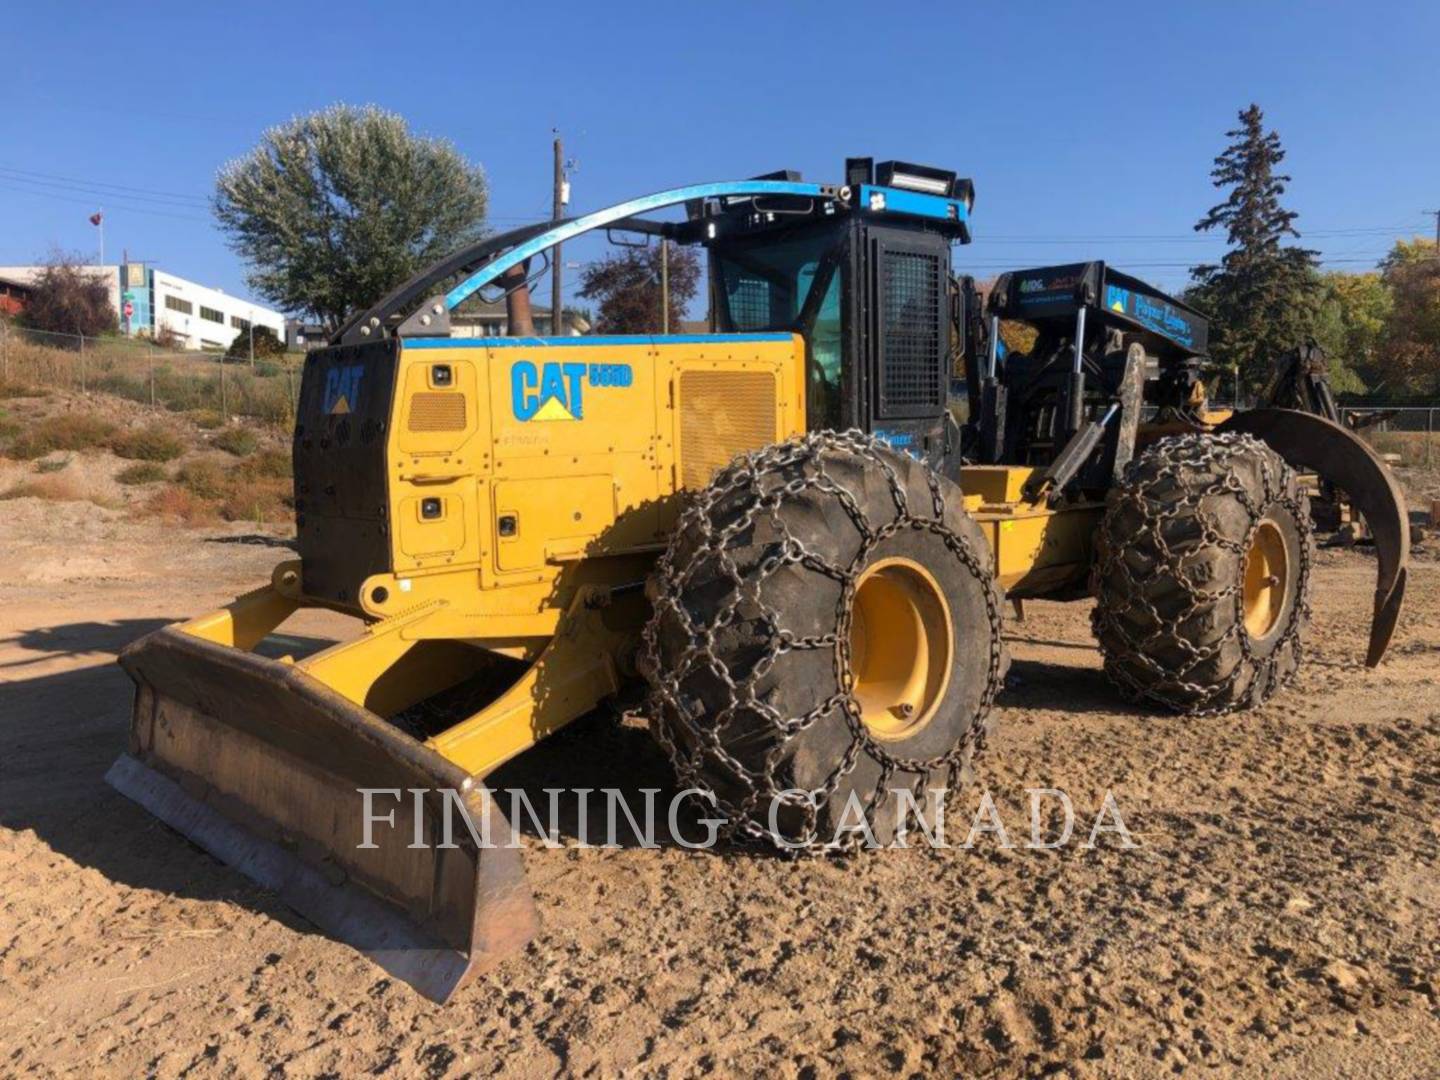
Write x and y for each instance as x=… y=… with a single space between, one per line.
x=792 y=284
x=765 y=285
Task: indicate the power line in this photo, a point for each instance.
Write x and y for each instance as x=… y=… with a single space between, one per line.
x=138 y=192
x=91 y=203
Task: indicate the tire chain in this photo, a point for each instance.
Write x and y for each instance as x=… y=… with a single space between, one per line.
x=669 y=704
x=1183 y=456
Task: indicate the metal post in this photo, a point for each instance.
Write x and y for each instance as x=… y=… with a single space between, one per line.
x=1077 y=364
x=5 y=348
x=994 y=358
x=82 y=363
x=251 y=329
x=557 y=261
x=224 y=405
x=1077 y=377
x=664 y=286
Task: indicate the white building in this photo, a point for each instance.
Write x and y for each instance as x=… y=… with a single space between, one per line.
x=160 y=302
x=205 y=318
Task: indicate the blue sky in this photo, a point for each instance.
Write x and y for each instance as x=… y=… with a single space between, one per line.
x=1088 y=128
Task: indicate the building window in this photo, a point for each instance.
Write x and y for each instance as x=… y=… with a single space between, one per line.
x=174 y=303
x=238 y=323
x=212 y=315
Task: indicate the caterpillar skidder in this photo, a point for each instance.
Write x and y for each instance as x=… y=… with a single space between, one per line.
x=779 y=526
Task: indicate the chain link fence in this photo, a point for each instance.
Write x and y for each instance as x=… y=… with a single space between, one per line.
x=178 y=379
x=1412 y=432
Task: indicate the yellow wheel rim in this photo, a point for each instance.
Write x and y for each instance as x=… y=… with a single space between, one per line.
x=1267 y=573
x=902 y=646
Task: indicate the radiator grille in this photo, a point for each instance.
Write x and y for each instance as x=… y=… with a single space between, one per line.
x=437 y=412
x=910 y=329
x=722 y=414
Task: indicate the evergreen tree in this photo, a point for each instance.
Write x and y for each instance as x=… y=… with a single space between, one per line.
x=1262 y=297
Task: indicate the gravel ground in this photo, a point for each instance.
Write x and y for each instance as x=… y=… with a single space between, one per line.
x=1277 y=917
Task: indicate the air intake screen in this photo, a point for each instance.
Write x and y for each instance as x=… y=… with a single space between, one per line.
x=437 y=412
x=722 y=414
x=911 y=380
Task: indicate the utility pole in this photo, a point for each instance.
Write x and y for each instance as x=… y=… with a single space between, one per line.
x=1436 y=215
x=557 y=262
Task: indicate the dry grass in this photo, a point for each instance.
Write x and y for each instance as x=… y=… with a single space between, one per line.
x=151 y=443
x=52 y=487
x=11 y=389
x=1414 y=447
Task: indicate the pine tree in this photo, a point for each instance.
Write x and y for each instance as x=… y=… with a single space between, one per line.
x=1262 y=297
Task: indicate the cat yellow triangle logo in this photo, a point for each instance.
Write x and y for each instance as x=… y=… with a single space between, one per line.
x=552 y=410
x=1118 y=306
x=341 y=406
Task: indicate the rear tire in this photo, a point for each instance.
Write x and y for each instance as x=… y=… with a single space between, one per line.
x=825 y=635
x=1202 y=575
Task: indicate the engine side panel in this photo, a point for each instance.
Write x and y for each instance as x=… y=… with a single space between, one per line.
x=517 y=469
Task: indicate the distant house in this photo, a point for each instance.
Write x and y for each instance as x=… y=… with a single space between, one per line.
x=302 y=336
x=14 y=295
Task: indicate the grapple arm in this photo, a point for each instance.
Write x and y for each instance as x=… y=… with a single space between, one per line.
x=1312 y=442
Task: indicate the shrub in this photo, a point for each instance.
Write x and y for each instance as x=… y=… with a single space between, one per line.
x=66 y=298
x=203 y=479
x=142 y=472
x=267 y=464
x=259 y=501
x=173 y=501
x=54 y=465
x=206 y=419
x=267 y=345
x=152 y=443
x=63 y=431
x=237 y=440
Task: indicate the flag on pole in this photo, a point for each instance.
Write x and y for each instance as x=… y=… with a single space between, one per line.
x=95 y=219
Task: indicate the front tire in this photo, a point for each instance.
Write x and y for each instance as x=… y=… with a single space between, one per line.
x=826 y=635
x=1202 y=575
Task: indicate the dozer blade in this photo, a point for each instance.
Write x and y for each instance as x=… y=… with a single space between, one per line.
x=260 y=764
x=1311 y=442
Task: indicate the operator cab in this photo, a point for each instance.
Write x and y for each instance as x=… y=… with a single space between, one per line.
x=864 y=277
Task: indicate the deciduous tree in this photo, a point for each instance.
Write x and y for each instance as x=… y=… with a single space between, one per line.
x=626 y=289
x=1350 y=327
x=1411 y=344
x=334 y=209
x=68 y=299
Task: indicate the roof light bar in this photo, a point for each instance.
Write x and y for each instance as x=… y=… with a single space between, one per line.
x=922 y=178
